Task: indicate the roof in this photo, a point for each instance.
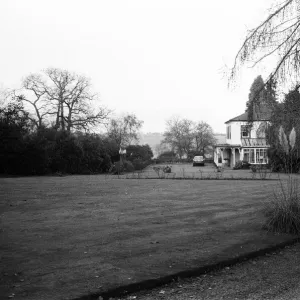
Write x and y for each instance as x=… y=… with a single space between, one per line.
x=242 y=117
x=262 y=113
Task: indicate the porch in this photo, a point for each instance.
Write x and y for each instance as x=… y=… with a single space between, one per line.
x=227 y=155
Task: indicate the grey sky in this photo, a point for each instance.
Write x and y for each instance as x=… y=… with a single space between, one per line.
x=153 y=58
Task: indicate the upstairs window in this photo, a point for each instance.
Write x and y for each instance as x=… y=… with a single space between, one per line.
x=245 y=131
x=228 y=132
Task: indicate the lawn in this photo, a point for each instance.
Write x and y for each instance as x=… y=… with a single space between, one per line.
x=62 y=237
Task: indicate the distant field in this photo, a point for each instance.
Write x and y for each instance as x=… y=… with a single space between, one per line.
x=62 y=237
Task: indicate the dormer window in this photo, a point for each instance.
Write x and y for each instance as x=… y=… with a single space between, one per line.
x=245 y=131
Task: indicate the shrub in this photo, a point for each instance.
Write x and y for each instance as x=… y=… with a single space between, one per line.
x=167 y=169
x=128 y=166
x=238 y=165
x=140 y=164
x=125 y=166
x=283 y=211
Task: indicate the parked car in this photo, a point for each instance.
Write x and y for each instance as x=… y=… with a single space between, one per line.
x=198 y=161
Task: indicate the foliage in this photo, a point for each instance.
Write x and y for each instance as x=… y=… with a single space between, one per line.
x=166 y=156
x=282 y=134
x=124 y=130
x=261 y=100
x=142 y=152
x=53 y=135
x=204 y=137
x=179 y=135
x=120 y=167
x=238 y=165
x=25 y=151
x=140 y=164
x=278 y=36
x=167 y=169
x=283 y=211
x=14 y=127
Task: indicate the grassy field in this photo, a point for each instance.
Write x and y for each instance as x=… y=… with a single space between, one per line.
x=62 y=237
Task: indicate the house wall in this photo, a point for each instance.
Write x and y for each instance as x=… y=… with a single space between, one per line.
x=236 y=131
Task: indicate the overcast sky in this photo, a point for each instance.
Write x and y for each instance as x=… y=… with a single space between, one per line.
x=156 y=59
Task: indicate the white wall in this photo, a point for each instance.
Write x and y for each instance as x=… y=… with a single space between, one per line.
x=236 y=131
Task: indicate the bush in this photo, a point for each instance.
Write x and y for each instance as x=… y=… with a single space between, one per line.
x=167 y=169
x=119 y=168
x=139 y=164
x=128 y=166
x=283 y=211
x=238 y=165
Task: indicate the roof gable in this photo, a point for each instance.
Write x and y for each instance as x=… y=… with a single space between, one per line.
x=263 y=113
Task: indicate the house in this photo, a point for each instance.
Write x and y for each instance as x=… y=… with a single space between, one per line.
x=243 y=141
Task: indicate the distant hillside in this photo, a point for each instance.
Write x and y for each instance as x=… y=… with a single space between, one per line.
x=154 y=138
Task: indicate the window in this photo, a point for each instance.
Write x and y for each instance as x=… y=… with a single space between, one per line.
x=256 y=156
x=245 y=131
x=252 y=156
x=246 y=155
x=261 y=156
x=228 y=132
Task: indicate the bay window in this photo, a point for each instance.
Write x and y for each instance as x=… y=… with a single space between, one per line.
x=255 y=155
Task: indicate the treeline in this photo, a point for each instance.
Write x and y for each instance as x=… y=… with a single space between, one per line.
x=24 y=151
x=47 y=129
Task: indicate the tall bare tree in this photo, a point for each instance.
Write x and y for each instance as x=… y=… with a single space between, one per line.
x=278 y=35
x=65 y=95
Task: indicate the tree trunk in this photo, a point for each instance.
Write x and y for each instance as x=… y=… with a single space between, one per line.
x=62 y=120
x=57 y=116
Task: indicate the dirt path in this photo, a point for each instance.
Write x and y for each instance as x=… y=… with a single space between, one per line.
x=274 y=276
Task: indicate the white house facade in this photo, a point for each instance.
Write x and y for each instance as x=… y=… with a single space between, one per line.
x=243 y=142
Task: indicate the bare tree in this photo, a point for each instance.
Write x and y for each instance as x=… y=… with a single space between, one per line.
x=204 y=136
x=124 y=130
x=36 y=96
x=278 y=35
x=179 y=135
x=65 y=95
x=186 y=137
